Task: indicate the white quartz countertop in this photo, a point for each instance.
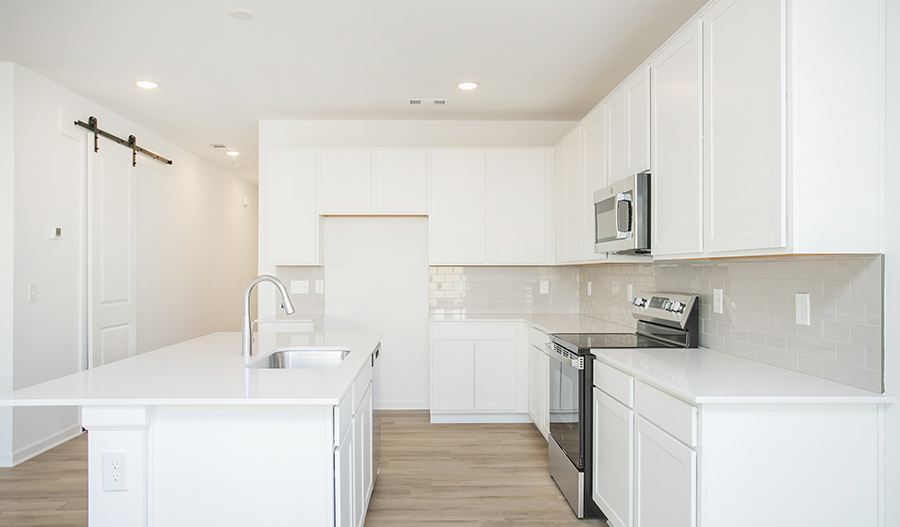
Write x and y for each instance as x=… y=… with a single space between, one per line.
x=548 y=323
x=208 y=371
x=703 y=376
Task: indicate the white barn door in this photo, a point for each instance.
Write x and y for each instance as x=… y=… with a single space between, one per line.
x=112 y=254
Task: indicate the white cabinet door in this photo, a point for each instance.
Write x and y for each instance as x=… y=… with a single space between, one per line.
x=518 y=209
x=343 y=481
x=401 y=181
x=617 y=136
x=637 y=94
x=595 y=166
x=744 y=162
x=495 y=375
x=545 y=395
x=665 y=479
x=293 y=230
x=452 y=375
x=613 y=457
x=571 y=212
x=677 y=124
x=362 y=457
x=457 y=222
x=345 y=181
x=535 y=385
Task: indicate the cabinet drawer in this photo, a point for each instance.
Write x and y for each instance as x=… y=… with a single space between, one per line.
x=361 y=384
x=618 y=384
x=473 y=331
x=537 y=338
x=669 y=413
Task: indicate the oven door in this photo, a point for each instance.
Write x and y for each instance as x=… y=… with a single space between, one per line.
x=566 y=382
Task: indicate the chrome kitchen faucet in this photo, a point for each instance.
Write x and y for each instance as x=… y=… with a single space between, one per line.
x=246 y=328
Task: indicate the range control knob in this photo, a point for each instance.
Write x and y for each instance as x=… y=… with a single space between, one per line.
x=677 y=307
x=639 y=302
x=667 y=305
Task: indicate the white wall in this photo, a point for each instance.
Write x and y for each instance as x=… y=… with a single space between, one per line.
x=196 y=247
x=6 y=256
x=387 y=134
x=392 y=253
x=892 y=264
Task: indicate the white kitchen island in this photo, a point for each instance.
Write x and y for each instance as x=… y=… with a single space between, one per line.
x=187 y=436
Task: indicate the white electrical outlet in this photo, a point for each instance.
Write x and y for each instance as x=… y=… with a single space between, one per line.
x=458 y=287
x=630 y=292
x=299 y=287
x=801 y=309
x=32 y=292
x=320 y=286
x=545 y=287
x=589 y=289
x=717 y=301
x=114 y=471
x=373 y=287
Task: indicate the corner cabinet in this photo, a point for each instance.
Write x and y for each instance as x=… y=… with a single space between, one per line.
x=479 y=372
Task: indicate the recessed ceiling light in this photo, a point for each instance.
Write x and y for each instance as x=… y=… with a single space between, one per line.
x=467 y=86
x=241 y=14
x=147 y=85
x=232 y=153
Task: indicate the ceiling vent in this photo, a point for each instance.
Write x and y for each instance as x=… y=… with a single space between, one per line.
x=218 y=146
x=428 y=102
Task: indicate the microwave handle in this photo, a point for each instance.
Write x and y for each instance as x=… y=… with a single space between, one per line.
x=619 y=199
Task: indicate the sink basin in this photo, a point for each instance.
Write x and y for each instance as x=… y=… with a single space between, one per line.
x=301 y=358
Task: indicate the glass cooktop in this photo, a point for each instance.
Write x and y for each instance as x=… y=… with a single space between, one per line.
x=586 y=341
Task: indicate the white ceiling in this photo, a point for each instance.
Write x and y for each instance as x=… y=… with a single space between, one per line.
x=332 y=59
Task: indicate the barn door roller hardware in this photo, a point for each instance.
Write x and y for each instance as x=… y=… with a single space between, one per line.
x=130 y=143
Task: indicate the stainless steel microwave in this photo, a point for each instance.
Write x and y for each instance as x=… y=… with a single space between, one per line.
x=622 y=216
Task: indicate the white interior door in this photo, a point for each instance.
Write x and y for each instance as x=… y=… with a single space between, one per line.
x=112 y=254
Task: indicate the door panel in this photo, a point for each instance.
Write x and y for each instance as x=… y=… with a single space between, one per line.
x=112 y=255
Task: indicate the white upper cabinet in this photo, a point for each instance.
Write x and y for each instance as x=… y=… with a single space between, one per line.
x=628 y=127
x=521 y=211
x=401 y=181
x=744 y=160
x=293 y=224
x=677 y=125
x=572 y=212
x=458 y=207
x=637 y=93
x=595 y=167
x=345 y=181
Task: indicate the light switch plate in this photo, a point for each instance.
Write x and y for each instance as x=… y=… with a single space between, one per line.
x=299 y=287
x=717 y=301
x=589 y=289
x=320 y=286
x=545 y=287
x=32 y=292
x=801 y=309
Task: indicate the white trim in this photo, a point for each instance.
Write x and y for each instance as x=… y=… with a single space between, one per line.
x=40 y=446
x=437 y=417
x=403 y=404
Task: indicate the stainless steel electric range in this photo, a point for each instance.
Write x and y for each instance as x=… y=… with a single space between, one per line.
x=664 y=320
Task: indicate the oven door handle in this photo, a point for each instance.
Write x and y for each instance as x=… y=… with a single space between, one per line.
x=577 y=363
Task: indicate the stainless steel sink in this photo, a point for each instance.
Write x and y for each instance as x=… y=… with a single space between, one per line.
x=301 y=358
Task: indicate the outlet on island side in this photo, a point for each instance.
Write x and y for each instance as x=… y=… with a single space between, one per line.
x=114 y=471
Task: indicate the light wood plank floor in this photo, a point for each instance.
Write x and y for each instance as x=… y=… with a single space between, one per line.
x=464 y=475
x=48 y=490
x=449 y=475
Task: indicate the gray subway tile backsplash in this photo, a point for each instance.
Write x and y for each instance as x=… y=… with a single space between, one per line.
x=843 y=341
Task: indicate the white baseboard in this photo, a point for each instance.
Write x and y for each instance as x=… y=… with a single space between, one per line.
x=480 y=418
x=403 y=404
x=38 y=447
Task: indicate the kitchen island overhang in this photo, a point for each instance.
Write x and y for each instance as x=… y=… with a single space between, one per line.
x=207 y=441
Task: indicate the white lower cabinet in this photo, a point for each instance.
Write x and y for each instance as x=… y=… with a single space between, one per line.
x=479 y=372
x=539 y=381
x=665 y=479
x=613 y=457
x=353 y=469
